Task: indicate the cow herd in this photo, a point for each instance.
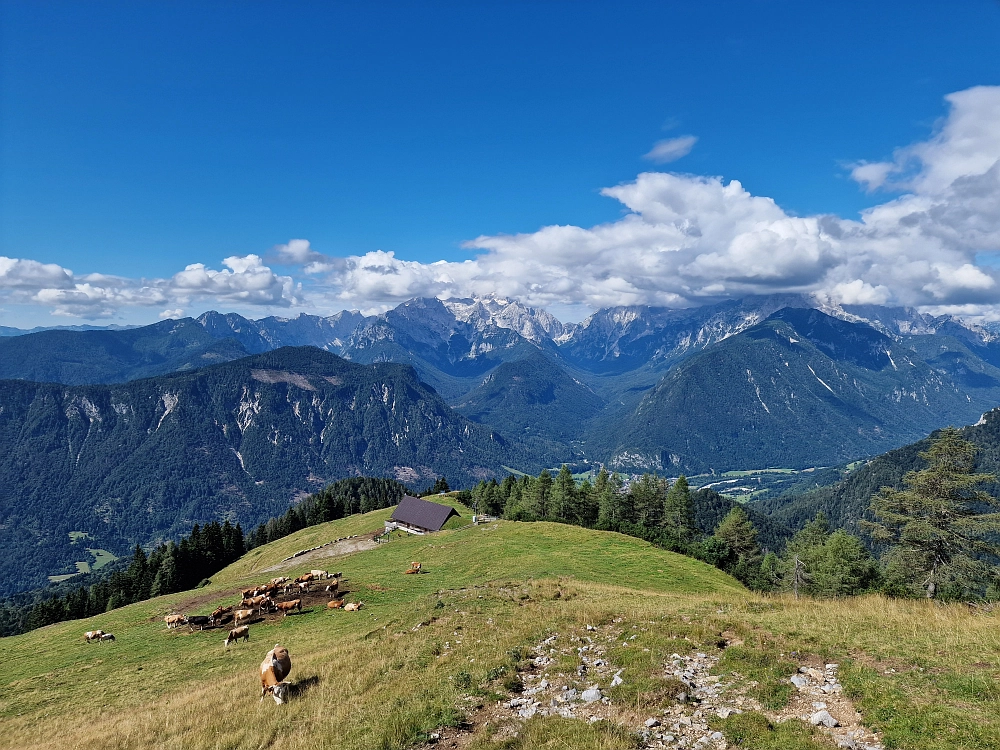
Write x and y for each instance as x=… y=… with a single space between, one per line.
x=254 y=601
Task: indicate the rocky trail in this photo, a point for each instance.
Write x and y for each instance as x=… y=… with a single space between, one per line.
x=586 y=693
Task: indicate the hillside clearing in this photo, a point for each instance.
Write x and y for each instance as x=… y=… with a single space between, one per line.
x=442 y=648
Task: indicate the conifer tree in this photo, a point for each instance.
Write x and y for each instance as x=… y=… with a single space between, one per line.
x=678 y=516
x=562 y=505
x=935 y=529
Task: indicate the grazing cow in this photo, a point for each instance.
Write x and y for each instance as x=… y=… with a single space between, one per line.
x=332 y=587
x=93 y=635
x=107 y=637
x=261 y=602
x=273 y=670
x=304 y=577
x=217 y=614
x=199 y=621
x=174 y=621
x=242 y=614
x=353 y=606
x=319 y=575
x=335 y=604
x=236 y=633
x=287 y=607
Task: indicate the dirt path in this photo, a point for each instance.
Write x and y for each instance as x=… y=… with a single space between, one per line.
x=336 y=548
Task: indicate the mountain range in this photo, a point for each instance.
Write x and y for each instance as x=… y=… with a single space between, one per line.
x=132 y=435
x=144 y=460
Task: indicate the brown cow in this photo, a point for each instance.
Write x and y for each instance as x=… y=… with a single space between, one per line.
x=93 y=635
x=335 y=604
x=236 y=633
x=174 y=621
x=220 y=612
x=273 y=670
x=414 y=568
x=304 y=577
x=333 y=586
x=287 y=607
x=243 y=614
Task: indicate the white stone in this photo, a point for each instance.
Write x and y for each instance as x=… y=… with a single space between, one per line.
x=824 y=718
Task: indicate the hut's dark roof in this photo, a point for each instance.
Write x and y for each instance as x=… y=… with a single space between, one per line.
x=422 y=514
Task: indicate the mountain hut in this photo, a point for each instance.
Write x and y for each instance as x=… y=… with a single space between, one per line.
x=419 y=516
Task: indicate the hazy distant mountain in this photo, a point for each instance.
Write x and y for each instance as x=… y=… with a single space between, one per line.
x=802 y=388
x=146 y=459
x=113 y=356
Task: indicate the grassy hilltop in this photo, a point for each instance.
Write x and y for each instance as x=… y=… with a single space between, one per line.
x=436 y=649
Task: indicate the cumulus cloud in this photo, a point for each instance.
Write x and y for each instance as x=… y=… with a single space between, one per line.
x=683 y=240
x=244 y=280
x=671 y=149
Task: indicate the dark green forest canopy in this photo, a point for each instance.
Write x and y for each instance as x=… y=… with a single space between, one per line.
x=143 y=461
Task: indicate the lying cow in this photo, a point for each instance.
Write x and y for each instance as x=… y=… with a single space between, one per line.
x=287 y=607
x=107 y=637
x=353 y=606
x=93 y=635
x=414 y=568
x=335 y=604
x=198 y=621
x=236 y=633
x=174 y=621
x=273 y=670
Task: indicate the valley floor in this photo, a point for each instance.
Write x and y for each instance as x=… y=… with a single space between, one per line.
x=461 y=651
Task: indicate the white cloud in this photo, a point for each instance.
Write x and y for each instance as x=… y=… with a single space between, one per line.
x=683 y=240
x=245 y=280
x=671 y=149
x=172 y=314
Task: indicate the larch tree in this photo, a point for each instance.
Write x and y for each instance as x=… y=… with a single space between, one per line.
x=936 y=528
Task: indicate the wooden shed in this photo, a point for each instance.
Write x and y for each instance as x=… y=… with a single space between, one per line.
x=419 y=516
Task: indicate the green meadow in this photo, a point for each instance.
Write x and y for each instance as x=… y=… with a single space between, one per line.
x=924 y=675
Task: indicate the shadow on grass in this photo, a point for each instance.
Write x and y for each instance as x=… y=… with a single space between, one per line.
x=301 y=687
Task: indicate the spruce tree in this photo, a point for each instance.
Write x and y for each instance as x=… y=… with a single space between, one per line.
x=934 y=528
x=678 y=516
x=562 y=505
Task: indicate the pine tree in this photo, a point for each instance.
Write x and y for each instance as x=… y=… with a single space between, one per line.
x=742 y=558
x=678 y=516
x=562 y=505
x=648 y=496
x=607 y=492
x=933 y=527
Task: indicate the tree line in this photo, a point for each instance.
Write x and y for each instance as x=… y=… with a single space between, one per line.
x=182 y=565
x=935 y=537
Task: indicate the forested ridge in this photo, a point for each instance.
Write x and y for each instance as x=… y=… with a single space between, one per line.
x=183 y=565
x=145 y=460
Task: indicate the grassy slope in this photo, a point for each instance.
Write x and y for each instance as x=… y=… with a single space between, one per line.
x=377 y=678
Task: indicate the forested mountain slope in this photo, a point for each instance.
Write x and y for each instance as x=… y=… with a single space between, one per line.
x=848 y=500
x=113 y=356
x=143 y=460
x=800 y=389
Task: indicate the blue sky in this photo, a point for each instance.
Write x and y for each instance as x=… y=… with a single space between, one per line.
x=139 y=138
